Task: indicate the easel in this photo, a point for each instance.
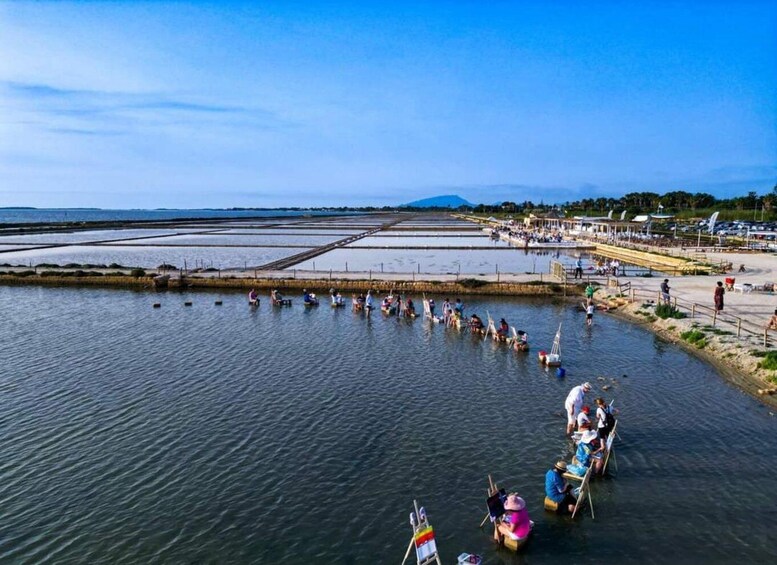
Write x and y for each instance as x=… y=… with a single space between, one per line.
x=427 y=309
x=491 y=330
x=608 y=448
x=423 y=539
x=584 y=492
x=492 y=490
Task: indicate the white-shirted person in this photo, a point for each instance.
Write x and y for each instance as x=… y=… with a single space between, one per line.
x=574 y=403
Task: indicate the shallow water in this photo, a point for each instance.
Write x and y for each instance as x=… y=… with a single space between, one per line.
x=152 y=256
x=89 y=236
x=432 y=241
x=230 y=435
x=471 y=262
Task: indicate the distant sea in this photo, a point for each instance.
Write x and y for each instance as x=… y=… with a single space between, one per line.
x=47 y=215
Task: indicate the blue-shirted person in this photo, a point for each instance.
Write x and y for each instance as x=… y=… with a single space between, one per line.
x=558 y=489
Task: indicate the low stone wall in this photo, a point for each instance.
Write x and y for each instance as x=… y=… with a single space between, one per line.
x=322 y=286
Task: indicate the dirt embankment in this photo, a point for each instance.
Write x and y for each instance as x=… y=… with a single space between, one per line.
x=743 y=360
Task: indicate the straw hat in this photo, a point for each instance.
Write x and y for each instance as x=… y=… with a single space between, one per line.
x=587 y=387
x=515 y=503
x=561 y=465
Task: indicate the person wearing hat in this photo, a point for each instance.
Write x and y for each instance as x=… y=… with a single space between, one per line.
x=558 y=489
x=589 y=451
x=514 y=523
x=574 y=403
x=582 y=417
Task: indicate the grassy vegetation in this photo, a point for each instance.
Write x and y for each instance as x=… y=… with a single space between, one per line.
x=769 y=361
x=665 y=311
x=695 y=337
x=137 y=273
x=717 y=331
x=472 y=283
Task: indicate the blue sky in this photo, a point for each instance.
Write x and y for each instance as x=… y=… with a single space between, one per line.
x=194 y=104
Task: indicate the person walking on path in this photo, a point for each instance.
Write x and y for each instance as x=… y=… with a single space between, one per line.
x=665 y=291
x=772 y=324
x=574 y=403
x=719 y=292
x=579 y=268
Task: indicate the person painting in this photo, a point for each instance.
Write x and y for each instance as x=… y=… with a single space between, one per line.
x=665 y=291
x=582 y=417
x=515 y=523
x=431 y=307
x=559 y=490
x=590 y=452
x=503 y=330
x=409 y=308
x=253 y=298
x=475 y=323
x=574 y=403
x=719 y=292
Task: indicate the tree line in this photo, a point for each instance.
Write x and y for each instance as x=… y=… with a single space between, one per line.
x=645 y=202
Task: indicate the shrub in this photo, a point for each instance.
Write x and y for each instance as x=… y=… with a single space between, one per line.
x=137 y=273
x=472 y=283
x=22 y=274
x=769 y=361
x=116 y=266
x=665 y=311
x=167 y=267
x=695 y=337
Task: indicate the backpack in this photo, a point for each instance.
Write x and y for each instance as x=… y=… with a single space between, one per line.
x=609 y=419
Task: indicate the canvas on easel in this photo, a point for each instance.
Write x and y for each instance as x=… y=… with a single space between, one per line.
x=491 y=329
x=584 y=492
x=608 y=447
x=423 y=539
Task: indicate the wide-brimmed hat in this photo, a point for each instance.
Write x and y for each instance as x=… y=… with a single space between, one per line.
x=587 y=387
x=515 y=503
x=589 y=436
x=561 y=465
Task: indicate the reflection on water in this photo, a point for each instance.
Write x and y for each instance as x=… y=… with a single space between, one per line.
x=473 y=262
x=151 y=257
x=224 y=434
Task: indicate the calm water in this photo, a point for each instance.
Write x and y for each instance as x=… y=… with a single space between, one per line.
x=471 y=262
x=225 y=435
x=12 y=216
x=152 y=256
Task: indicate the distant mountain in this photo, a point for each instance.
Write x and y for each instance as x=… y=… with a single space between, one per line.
x=447 y=201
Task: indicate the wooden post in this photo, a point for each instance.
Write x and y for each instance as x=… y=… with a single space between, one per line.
x=714 y=316
x=766 y=337
x=739 y=326
x=693 y=310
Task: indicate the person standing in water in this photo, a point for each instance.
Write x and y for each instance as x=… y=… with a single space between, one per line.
x=369 y=302
x=589 y=313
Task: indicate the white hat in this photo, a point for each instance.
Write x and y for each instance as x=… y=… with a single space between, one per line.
x=587 y=387
x=588 y=436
